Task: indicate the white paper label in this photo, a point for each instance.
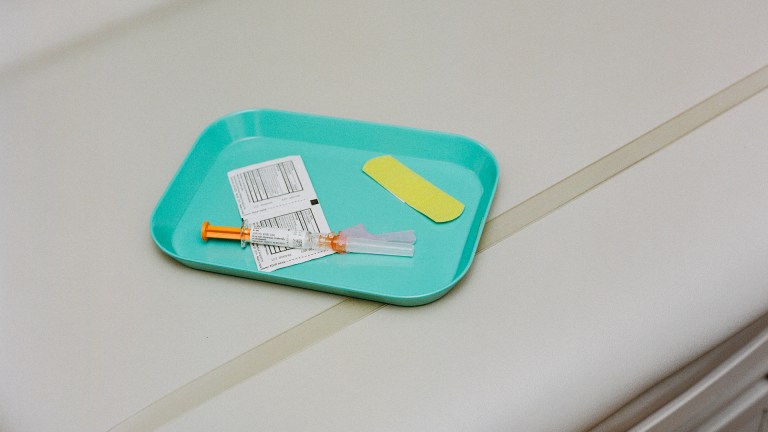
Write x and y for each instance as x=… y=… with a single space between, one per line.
x=278 y=194
x=277 y=237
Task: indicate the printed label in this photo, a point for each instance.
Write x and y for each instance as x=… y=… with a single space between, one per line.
x=277 y=237
x=278 y=194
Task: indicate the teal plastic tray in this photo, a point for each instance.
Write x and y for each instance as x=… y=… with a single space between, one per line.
x=334 y=151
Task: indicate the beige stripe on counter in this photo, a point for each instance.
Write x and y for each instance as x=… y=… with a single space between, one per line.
x=349 y=311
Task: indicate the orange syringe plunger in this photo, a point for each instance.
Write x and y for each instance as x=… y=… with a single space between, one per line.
x=337 y=242
x=225 y=232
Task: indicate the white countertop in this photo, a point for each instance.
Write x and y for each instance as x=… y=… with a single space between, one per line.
x=554 y=327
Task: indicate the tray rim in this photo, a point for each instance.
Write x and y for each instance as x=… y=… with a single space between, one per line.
x=400 y=300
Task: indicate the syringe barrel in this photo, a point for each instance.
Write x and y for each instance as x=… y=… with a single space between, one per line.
x=296 y=239
x=280 y=237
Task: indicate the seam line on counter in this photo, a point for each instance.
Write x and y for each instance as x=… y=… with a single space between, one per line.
x=591 y=176
x=248 y=364
x=504 y=225
x=112 y=28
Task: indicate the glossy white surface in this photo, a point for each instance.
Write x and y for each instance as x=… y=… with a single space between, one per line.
x=37 y=28
x=558 y=325
x=94 y=328
x=544 y=85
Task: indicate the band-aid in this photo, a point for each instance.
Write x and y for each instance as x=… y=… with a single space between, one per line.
x=413 y=189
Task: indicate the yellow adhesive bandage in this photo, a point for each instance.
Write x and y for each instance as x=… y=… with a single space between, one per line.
x=413 y=189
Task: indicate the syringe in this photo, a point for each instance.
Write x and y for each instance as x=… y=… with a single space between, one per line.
x=293 y=239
